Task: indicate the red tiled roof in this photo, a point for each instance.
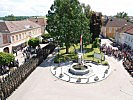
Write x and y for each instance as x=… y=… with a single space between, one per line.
x=116 y=22
x=124 y=28
x=130 y=31
x=39 y=21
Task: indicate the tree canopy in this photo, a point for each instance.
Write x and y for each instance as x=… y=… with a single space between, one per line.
x=67 y=21
x=122 y=15
x=95 y=24
x=10 y=18
x=33 y=42
x=6 y=58
x=46 y=36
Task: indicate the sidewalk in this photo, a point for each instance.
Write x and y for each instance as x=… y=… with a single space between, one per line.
x=108 y=43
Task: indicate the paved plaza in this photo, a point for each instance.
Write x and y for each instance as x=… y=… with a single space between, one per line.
x=42 y=85
x=94 y=73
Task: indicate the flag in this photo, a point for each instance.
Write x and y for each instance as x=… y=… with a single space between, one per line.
x=81 y=40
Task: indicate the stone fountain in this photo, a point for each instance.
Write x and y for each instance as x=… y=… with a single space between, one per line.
x=79 y=68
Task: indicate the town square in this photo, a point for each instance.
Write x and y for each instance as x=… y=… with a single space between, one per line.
x=72 y=50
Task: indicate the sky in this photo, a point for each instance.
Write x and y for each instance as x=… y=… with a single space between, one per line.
x=41 y=7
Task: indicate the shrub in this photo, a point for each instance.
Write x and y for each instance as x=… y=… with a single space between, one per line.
x=34 y=42
x=105 y=63
x=95 y=44
x=46 y=36
x=6 y=58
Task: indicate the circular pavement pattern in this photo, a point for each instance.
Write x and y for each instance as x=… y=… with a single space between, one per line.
x=96 y=73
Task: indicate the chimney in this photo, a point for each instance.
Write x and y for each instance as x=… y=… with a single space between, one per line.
x=36 y=19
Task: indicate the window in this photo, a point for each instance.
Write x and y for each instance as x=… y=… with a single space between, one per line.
x=126 y=37
x=13 y=39
x=110 y=30
x=17 y=37
x=129 y=39
x=23 y=35
x=115 y=29
x=30 y=34
x=20 y=36
x=107 y=30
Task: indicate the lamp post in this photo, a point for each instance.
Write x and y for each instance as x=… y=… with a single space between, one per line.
x=61 y=75
x=81 y=40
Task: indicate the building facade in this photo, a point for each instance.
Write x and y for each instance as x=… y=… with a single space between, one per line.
x=15 y=34
x=125 y=36
x=40 y=21
x=111 y=25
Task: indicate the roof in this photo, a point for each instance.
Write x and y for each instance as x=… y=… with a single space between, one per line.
x=126 y=29
x=16 y=26
x=39 y=21
x=116 y=22
x=3 y=28
x=130 y=31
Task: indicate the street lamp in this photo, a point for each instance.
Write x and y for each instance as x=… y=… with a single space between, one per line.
x=61 y=75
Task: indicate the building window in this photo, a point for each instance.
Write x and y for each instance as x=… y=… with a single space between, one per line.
x=20 y=36
x=110 y=30
x=17 y=37
x=30 y=34
x=13 y=39
x=115 y=29
x=23 y=35
x=129 y=39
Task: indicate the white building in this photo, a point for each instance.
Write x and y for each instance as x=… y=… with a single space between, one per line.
x=15 y=34
x=125 y=35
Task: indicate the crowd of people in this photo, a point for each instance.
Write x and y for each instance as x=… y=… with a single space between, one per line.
x=27 y=54
x=122 y=53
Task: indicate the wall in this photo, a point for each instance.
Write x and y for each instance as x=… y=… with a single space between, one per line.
x=128 y=39
x=5 y=38
x=1 y=39
x=19 y=38
x=109 y=31
x=24 y=36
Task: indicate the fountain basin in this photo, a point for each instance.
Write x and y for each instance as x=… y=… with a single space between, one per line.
x=75 y=70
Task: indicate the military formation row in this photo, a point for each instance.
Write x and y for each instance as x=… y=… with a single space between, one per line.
x=11 y=81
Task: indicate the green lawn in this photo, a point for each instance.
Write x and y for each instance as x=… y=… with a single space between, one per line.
x=88 y=55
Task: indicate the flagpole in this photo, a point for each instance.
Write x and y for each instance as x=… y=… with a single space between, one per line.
x=81 y=46
x=81 y=43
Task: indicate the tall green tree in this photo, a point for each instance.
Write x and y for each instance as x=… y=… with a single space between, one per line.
x=95 y=24
x=123 y=15
x=87 y=38
x=66 y=22
x=10 y=18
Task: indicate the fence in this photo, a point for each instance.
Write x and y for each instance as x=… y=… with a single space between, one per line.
x=11 y=81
